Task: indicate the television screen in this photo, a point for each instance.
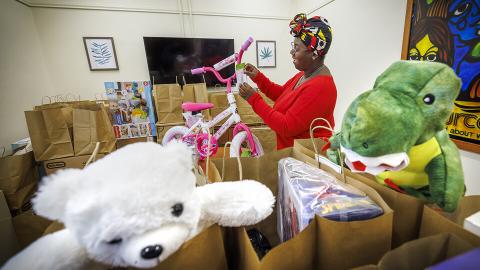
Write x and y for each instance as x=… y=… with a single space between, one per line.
x=169 y=59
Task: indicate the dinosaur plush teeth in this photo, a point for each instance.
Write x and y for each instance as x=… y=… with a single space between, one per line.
x=375 y=165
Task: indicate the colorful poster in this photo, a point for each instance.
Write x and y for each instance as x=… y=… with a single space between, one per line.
x=131 y=109
x=448 y=31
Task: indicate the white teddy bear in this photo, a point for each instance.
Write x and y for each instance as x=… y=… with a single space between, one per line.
x=135 y=207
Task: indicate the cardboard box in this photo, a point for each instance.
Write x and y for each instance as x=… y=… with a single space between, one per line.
x=124 y=142
x=79 y=162
x=9 y=244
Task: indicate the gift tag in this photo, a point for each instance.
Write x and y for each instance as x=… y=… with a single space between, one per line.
x=327 y=162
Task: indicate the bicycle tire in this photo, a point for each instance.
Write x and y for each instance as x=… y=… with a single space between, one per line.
x=173 y=133
x=237 y=144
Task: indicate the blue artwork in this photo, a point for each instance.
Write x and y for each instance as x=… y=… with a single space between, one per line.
x=448 y=31
x=101 y=53
x=464 y=24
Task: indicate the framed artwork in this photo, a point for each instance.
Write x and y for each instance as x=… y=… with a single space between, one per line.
x=447 y=31
x=100 y=53
x=131 y=109
x=266 y=54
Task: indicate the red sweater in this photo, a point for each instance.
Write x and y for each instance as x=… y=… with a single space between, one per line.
x=294 y=110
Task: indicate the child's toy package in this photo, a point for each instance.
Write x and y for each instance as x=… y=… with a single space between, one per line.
x=131 y=109
x=305 y=191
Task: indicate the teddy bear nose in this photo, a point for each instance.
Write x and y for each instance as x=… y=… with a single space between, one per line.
x=151 y=252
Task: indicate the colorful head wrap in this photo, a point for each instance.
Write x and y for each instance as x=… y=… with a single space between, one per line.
x=315 y=32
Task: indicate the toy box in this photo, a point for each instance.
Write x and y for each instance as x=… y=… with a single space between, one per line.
x=305 y=191
x=131 y=109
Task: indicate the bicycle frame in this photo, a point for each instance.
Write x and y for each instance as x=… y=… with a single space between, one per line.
x=233 y=119
x=231 y=110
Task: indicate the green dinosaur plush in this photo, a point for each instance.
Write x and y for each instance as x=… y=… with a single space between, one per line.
x=397 y=132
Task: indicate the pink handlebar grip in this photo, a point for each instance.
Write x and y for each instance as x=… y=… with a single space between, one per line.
x=198 y=71
x=247 y=43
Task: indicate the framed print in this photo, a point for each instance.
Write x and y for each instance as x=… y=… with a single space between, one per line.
x=447 y=31
x=266 y=54
x=100 y=53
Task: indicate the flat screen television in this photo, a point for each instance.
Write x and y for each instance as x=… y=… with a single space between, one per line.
x=171 y=58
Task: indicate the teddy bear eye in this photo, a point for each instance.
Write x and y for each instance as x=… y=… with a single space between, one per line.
x=115 y=241
x=177 y=209
x=429 y=99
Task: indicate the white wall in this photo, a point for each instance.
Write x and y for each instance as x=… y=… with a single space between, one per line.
x=23 y=74
x=61 y=32
x=367 y=38
x=44 y=54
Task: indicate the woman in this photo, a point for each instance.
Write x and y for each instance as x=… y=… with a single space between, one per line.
x=310 y=94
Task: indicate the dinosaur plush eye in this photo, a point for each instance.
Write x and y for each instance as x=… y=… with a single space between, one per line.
x=115 y=241
x=177 y=209
x=429 y=99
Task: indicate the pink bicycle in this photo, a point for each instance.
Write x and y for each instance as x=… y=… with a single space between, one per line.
x=196 y=131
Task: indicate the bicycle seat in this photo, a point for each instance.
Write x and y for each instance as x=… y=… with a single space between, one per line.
x=195 y=107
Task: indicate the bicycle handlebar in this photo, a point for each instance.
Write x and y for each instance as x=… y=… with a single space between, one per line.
x=198 y=71
x=247 y=43
x=228 y=81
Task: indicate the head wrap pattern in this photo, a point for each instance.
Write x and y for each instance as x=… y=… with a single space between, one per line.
x=315 y=32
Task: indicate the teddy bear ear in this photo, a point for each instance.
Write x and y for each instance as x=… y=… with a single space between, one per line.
x=53 y=195
x=181 y=153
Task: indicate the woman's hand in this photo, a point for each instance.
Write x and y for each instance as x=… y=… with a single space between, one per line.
x=246 y=91
x=250 y=70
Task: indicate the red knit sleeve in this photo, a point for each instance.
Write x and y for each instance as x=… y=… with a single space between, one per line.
x=316 y=100
x=269 y=88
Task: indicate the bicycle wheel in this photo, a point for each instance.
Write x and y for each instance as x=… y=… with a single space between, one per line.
x=175 y=133
x=240 y=141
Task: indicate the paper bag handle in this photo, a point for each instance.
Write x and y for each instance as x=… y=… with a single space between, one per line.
x=239 y=163
x=328 y=127
x=72 y=96
x=96 y=96
x=49 y=100
x=93 y=155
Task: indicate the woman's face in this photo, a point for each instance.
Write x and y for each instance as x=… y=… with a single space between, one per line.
x=302 y=57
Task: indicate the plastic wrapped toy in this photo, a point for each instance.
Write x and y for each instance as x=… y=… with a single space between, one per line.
x=305 y=191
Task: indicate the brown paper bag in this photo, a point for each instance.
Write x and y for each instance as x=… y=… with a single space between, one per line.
x=434 y=222
x=407 y=209
x=324 y=244
x=49 y=133
x=51 y=128
x=422 y=253
x=267 y=137
x=18 y=179
x=168 y=102
x=196 y=92
x=29 y=227
x=9 y=245
x=220 y=103
x=246 y=112
x=91 y=126
x=204 y=251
